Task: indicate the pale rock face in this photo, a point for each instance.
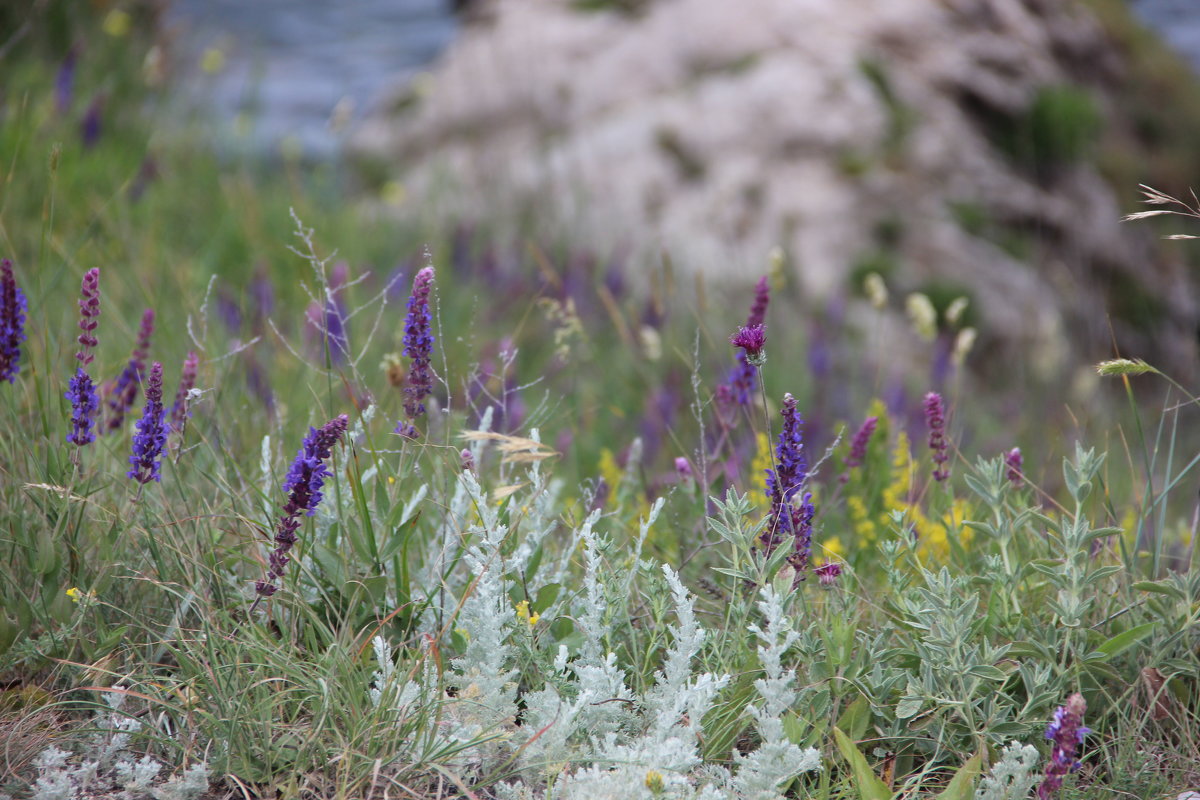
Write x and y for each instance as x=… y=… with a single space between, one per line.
x=718 y=129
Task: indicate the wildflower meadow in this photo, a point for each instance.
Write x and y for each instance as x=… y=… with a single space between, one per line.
x=295 y=502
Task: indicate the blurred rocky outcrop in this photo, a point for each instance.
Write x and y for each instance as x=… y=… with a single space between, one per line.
x=948 y=145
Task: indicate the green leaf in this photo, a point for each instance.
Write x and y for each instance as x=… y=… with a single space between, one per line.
x=855 y=719
x=546 y=597
x=987 y=672
x=962 y=785
x=909 y=707
x=1159 y=588
x=1126 y=639
x=868 y=784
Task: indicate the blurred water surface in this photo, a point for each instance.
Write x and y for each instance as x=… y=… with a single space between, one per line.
x=280 y=68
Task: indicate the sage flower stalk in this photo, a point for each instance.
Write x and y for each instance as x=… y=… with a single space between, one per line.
x=122 y=392
x=303 y=484
x=13 y=310
x=935 y=420
x=85 y=401
x=1066 y=731
x=151 y=435
x=788 y=476
x=418 y=345
x=187 y=381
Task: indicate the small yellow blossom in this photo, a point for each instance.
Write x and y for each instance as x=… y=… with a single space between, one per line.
x=654 y=781
x=391 y=479
x=117 y=23
x=78 y=596
x=213 y=60
x=394 y=193
x=523 y=613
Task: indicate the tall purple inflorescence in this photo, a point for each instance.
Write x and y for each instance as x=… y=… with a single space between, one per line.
x=418 y=345
x=303 y=485
x=187 y=380
x=85 y=402
x=12 y=322
x=786 y=479
x=123 y=391
x=935 y=419
x=858 y=446
x=1066 y=731
x=151 y=435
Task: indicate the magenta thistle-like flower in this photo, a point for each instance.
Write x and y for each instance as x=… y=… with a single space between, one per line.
x=418 y=345
x=1014 y=462
x=151 y=435
x=303 y=484
x=187 y=381
x=935 y=420
x=752 y=339
x=828 y=573
x=123 y=391
x=13 y=309
x=786 y=479
x=1066 y=731
x=742 y=379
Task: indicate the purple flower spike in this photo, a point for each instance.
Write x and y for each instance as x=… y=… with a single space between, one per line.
x=802 y=517
x=84 y=404
x=303 y=484
x=89 y=315
x=789 y=475
x=418 y=345
x=1066 y=731
x=85 y=401
x=762 y=296
x=741 y=380
x=935 y=419
x=752 y=339
x=123 y=392
x=1014 y=462
x=187 y=380
x=12 y=322
x=151 y=434
x=858 y=446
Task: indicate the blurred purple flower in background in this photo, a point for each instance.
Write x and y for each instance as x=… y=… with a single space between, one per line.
x=1015 y=464
x=122 y=392
x=935 y=420
x=90 y=127
x=187 y=380
x=64 y=81
x=858 y=446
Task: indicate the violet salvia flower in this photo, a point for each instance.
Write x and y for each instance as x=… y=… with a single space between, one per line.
x=786 y=479
x=303 y=484
x=802 y=517
x=935 y=419
x=418 y=345
x=151 y=434
x=12 y=322
x=762 y=297
x=858 y=446
x=124 y=390
x=752 y=339
x=187 y=380
x=84 y=404
x=1014 y=462
x=89 y=315
x=1066 y=731
x=81 y=391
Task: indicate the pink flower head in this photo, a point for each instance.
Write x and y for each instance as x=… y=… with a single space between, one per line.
x=752 y=339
